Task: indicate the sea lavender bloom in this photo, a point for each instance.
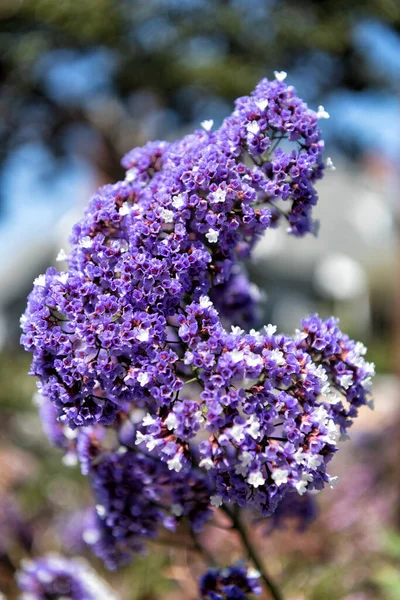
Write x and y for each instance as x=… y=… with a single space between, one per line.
x=135 y=496
x=236 y=581
x=172 y=230
x=133 y=344
x=274 y=407
x=60 y=578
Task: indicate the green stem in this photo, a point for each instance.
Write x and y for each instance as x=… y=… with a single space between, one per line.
x=252 y=553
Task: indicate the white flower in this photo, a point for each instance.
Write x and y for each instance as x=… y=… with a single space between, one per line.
x=70 y=434
x=280 y=75
x=235 y=330
x=91 y=536
x=245 y=460
x=171 y=421
x=254 y=360
x=62 y=255
x=207 y=124
x=346 y=381
x=262 y=104
x=370 y=368
x=330 y=165
x=253 y=427
x=101 y=511
x=322 y=114
x=320 y=373
x=314 y=461
x=253 y=127
x=131 y=175
x=278 y=357
x=219 y=195
x=125 y=209
x=167 y=215
x=205 y=302
x=333 y=481
x=174 y=464
x=143 y=378
x=241 y=469
x=359 y=348
x=86 y=242
x=212 y=236
x=255 y=333
x=236 y=433
x=320 y=415
x=62 y=277
x=151 y=443
x=178 y=201
x=280 y=476
x=207 y=463
x=177 y=510
x=236 y=356
x=300 y=457
x=70 y=460
x=270 y=329
x=256 y=479
x=41 y=280
x=300 y=335
x=216 y=500
x=333 y=435
x=148 y=420
x=366 y=383
x=301 y=486
x=330 y=397
x=253 y=573
x=140 y=438
x=142 y=335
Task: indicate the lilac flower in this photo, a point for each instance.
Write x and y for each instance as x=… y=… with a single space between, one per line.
x=236 y=581
x=56 y=577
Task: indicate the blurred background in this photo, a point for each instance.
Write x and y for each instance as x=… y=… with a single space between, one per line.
x=84 y=82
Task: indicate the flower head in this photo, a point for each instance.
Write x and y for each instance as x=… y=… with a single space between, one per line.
x=236 y=581
x=135 y=339
x=59 y=578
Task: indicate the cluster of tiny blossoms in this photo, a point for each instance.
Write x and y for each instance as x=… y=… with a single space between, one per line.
x=57 y=578
x=234 y=582
x=168 y=409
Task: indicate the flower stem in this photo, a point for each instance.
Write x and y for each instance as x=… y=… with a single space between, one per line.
x=252 y=553
x=201 y=549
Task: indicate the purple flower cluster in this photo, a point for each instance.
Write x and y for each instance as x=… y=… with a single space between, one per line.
x=132 y=344
x=171 y=232
x=136 y=495
x=230 y=583
x=274 y=406
x=59 y=578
